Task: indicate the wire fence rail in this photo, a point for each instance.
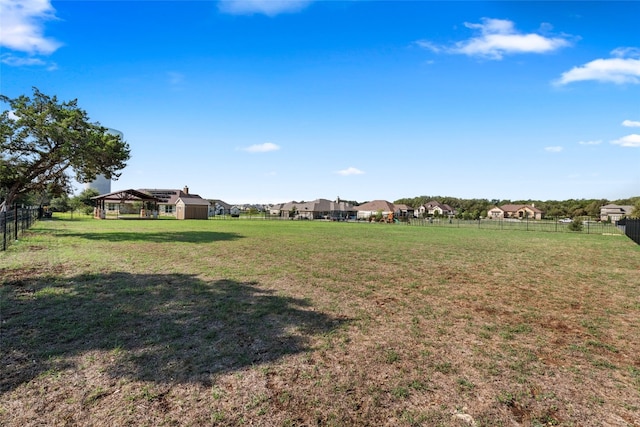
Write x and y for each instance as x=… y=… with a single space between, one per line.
x=14 y=222
x=588 y=226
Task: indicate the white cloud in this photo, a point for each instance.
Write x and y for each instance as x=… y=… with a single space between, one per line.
x=554 y=149
x=499 y=37
x=632 y=140
x=17 y=61
x=265 y=7
x=594 y=142
x=262 y=148
x=23 y=26
x=350 y=171
x=631 y=124
x=426 y=44
x=617 y=70
x=626 y=52
x=175 y=79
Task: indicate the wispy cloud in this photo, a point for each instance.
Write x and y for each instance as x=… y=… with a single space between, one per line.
x=631 y=124
x=23 y=26
x=350 y=171
x=262 y=148
x=175 y=79
x=265 y=7
x=498 y=37
x=593 y=142
x=554 y=149
x=18 y=61
x=623 y=67
x=632 y=140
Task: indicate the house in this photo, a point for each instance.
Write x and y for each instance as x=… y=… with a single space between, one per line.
x=192 y=205
x=404 y=211
x=434 y=208
x=515 y=212
x=612 y=212
x=317 y=209
x=371 y=209
x=218 y=207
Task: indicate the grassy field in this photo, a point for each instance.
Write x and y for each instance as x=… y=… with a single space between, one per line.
x=295 y=323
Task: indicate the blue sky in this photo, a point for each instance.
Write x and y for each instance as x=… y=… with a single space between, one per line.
x=271 y=100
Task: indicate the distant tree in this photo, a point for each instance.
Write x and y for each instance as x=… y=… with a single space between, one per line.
x=42 y=139
x=635 y=213
x=86 y=195
x=82 y=202
x=60 y=204
x=252 y=211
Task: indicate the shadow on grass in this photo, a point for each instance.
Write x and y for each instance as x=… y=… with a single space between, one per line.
x=159 y=237
x=164 y=328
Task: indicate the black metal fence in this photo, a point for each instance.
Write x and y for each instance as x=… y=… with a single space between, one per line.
x=15 y=221
x=631 y=228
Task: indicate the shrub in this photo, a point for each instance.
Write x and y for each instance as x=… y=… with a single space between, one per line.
x=575 y=225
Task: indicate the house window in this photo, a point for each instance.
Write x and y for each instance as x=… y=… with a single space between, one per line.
x=168 y=209
x=111 y=206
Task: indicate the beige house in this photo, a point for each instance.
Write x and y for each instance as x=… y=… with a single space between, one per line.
x=369 y=209
x=614 y=213
x=317 y=209
x=179 y=203
x=515 y=212
x=434 y=208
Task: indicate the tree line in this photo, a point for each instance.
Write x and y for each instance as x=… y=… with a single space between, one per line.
x=477 y=208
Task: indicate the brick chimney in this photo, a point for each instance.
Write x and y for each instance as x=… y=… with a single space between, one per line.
x=185 y=189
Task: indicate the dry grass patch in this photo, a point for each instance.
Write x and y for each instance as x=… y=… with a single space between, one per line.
x=304 y=323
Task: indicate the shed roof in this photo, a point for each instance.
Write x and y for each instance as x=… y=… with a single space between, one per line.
x=193 y=201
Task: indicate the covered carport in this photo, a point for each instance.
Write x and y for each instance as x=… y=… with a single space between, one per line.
x=148 y=209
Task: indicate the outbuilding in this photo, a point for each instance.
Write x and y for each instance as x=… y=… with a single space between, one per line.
x=192 y=208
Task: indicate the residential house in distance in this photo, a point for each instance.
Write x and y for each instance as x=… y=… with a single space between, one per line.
x=612 y=212
x=434 y=208
x=218 y=207
x=180 y=203
x=371 y=209
x=404 y=211
x=515 y=212
x=317 y=209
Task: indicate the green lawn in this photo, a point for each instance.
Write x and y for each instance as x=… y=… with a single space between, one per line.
x=142 y=322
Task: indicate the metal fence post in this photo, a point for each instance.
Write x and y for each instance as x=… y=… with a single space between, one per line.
x=4 y=230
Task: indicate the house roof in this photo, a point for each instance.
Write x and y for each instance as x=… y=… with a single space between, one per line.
x=377 y=205
x=168 y=196
x=319 y=205
x=435 y=204
x=617 y=208
x=193 y=201
x=403 y=207
x=225 y=205
x=515 y=208
x=124 y=195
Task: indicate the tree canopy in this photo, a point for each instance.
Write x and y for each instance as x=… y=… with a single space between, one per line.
x=42 y=140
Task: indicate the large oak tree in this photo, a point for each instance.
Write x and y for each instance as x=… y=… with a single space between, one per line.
x=43 y=140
